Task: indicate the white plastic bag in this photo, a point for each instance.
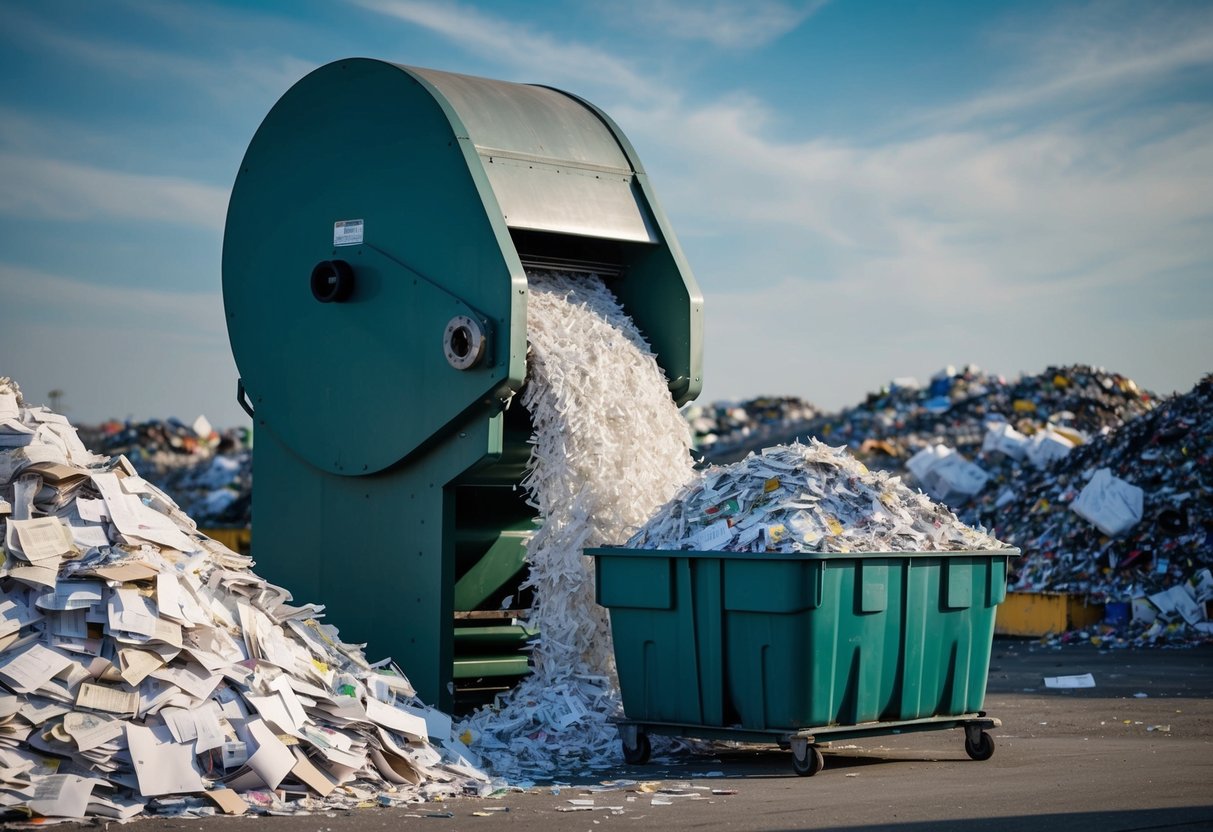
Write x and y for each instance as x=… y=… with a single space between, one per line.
x=1004 y=439
x=1109 y=503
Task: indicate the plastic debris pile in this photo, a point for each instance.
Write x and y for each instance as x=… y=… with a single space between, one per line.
x=804 y=498
x=957 y=407
x=208 y=472
x=145 y=667
x=1127 y=516
x=723 y=426
x=601 y=464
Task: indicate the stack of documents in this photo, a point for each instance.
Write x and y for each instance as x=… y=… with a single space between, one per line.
x=804 y=498
x=145 y=668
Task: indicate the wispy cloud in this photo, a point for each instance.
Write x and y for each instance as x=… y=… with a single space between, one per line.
x=240 y=74
x=42 y=188
x=1055 y=198
x=1091 y=58
x=720 y=22
x=115 y=351
x=520 y=47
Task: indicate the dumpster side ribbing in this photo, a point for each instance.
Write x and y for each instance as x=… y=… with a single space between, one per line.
x=787 y=641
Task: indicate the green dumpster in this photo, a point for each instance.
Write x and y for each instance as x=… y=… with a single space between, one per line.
x=801 y=647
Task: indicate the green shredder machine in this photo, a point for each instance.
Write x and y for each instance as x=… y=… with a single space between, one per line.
x=374 y=283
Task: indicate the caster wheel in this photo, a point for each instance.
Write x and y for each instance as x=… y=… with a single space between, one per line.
x=638 y=754
x=812 y=763
x=982 y=749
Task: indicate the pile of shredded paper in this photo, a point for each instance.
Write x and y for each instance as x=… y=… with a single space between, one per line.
x=804 y=498
x=609 y=447
x=145 y=667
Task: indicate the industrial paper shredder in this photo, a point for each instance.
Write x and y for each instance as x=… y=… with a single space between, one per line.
x=375 y=291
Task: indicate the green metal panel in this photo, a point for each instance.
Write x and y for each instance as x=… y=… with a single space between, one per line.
x=498 y=564
x=665 y=618
x=647 y=289
x=372 y=443
x=808 y=640
x=365 y=140
x=376 y=550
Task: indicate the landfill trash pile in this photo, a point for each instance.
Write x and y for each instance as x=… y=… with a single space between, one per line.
x=955 y=409
x=208 y=472
x=1125 y=517
x=804 y=498
x=145 y=668
x=1031 y=424
x=609 y=447
x=723 y=426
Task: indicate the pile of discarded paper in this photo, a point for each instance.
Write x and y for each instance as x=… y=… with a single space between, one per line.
x=804 y=498
x=1125 y=517
x=145 y=667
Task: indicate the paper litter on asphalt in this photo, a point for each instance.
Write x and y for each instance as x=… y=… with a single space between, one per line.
x=1081 y=680
x=146 y=668
x=804 y=498
x=609 y=447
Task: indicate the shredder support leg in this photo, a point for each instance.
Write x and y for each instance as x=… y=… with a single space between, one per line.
x=377 y=550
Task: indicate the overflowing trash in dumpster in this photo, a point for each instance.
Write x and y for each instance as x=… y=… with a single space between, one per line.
x=804 y=498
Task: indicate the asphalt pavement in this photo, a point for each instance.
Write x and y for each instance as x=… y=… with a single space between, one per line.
x=1135 y=752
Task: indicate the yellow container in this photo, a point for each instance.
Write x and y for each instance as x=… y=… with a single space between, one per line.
x=238 y=540
x=1044 y=613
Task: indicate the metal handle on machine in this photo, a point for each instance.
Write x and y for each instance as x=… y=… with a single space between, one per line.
x=242 y=398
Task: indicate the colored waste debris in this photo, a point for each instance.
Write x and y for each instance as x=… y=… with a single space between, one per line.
x=725 y=426
x=208 y=472
x=1125 y=519
x=144 y=668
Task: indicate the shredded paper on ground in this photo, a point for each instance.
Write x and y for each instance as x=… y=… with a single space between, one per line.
x=609 y=447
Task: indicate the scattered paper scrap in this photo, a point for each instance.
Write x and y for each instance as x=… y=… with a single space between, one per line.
x=1085 y=680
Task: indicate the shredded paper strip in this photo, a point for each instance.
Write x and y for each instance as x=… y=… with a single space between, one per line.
x=609 y=447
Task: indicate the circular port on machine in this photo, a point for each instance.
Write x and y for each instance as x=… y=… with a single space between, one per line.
x=463 y=342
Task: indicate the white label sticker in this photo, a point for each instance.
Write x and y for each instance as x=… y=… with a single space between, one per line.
x=347 y=232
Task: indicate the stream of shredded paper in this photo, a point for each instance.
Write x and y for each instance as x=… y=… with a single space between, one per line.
x=609 y=447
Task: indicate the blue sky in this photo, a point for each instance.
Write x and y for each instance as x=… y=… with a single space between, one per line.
x=864 y=190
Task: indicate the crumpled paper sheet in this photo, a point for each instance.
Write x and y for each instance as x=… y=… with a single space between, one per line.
x=609 y=447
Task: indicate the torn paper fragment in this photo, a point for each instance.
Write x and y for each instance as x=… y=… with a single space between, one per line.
x=162 y=765
x=31 y=667
x=62 y=795
x=91 y=730
x=1085 y=680
x=1109 y=503
x=38 y=540
x=97 y=697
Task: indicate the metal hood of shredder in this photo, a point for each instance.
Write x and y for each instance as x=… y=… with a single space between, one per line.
x=374 y=284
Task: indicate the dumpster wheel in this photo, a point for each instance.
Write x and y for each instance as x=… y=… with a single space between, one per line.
x=637 y=753
x=979 y=745
x=808 y=761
